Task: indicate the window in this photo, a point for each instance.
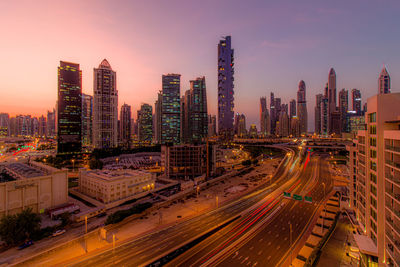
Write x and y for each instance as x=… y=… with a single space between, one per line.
x=373 y=190
x=372 y=153
x=372 y=141
x=372 y=129
x=372 y=117
x=372 y=166
x=373 y=202
x=372 y=177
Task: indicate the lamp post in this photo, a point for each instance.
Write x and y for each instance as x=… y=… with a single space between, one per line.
x=291 y=249
x=73 y=165
x=216 y=201
x=323 y=199
x=85 y=224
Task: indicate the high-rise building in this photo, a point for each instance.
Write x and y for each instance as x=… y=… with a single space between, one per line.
x=384 y=82
x=331 y=97
x=42 y=126
x=4 y=124
x=157 y=118
x=69 y=108
x=292 y=108
x=125 y=125
x=272 y=113
x=376 y=170
x=194 y=114
x=283 y=129
x=212 y=125
x=51 y=123
x=317 y=110
x=265 y=123
x=87 y=119
x=324 y=116
x=356 y=101
x=105 y=107
x=294 y=127
x=302 y=107
x=242 y=132
x=225 y=88
x=145 y=121
x=170 y=109
x=343 y=108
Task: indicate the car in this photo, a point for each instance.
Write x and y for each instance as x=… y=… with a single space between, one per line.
x=26 y=244
x=59 y=232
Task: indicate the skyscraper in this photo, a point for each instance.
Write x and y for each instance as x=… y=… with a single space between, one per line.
x=196 y=111
x=283 y=129
x=317 y=110
x=125 y=125
x=69 y=109
x=264 y=117
x=105 y=107
x=51 y=123
x=302 y=107
x=42 y=126
x=145 y=121
x=241 y=122
x=331 y=97
x=384 y=82
x=170 y=109
x=225 y=88
x=292 y=108
x=87 y=119
x=324 y=116
x=157 y=118
x=356 y=101
x=343 y=108
x=272 y=113
x=212 y=125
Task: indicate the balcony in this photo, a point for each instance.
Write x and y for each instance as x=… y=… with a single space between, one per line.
x=394 y=179
x=394 y=195
x=392 y=148
x=361 y=152
x=393 y=164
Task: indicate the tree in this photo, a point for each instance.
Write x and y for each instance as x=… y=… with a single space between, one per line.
x=15 y=229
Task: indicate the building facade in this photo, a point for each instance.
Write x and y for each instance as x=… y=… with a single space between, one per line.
x=302 y=107
x=356 y=101
x=343 y=108
x=145 y=122
x=87 y=119
x=69 y=108
x=225 y=88
x=125 y=118
x=170 y=109
x=105 y=107
x=384 y=82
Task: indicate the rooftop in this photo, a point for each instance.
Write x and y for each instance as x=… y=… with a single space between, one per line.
x=24 y=170
x=114 y=174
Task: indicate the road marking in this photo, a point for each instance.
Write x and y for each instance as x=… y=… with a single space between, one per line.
x=277 y=235
x=269 y=232
x=249 y=263
x=283 y=228
x=260 y=240
x=268 y=257
x=255 y=263
x=251 y=248
x=260 y=252
x=285 y=238
x=269 y=243
x=278 y=247
x=244 y=260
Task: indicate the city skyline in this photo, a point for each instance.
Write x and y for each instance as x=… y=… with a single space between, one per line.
x=266 y=60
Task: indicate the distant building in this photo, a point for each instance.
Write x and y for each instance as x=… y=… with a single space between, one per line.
x=145 y=121
x=111 y=186
x=317 y=111
x=343 y=108
x=283 y=129
x=212 y=125
x=331 y=98
x=105 y=107
x=185 y=162
x=294 y=127
x=225 y=88
x=384 y=82
x=292 y=108
x=69 y=109
x=4 y=125
x=125 y=118
x=87 y=119
x=170 y=109
x=157 y=119
x=272 y=110
x=354 y=122
x=31 y=185
x=241 y=122
x=253 y=133
x=302 y=107
x=356 y=101
x=194 y=112
x=51 y=123
x=324 y=116
x=42 y=126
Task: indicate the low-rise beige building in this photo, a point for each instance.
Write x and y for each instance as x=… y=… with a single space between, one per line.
x=108 y=186
x=31 y=185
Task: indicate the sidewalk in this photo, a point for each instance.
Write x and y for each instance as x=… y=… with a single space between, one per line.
x=334 y=252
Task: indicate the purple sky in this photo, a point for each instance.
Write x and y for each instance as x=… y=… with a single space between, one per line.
x=277 y=43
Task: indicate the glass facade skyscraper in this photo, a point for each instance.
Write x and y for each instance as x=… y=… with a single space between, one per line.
x=225 y=88
x=170 y=109
x=145 y=123
x=69 y=110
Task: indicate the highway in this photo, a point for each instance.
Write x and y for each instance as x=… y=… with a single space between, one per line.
x=146 y=249
x=270 y=243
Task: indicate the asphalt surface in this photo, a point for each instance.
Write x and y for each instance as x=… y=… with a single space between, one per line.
x=152 y=246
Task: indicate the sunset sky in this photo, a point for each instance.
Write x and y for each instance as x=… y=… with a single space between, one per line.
x=277 y=43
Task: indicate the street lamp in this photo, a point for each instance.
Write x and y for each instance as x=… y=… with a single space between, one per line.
x=323 y=199
x=73 y=164
x=291 y=249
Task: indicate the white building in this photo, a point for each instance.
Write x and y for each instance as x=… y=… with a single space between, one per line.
x=109 y=186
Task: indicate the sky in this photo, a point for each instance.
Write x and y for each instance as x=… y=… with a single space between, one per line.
x=277 y=44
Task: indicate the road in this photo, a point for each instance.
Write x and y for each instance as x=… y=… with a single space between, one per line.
x=145 y=249
x=270 y=244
